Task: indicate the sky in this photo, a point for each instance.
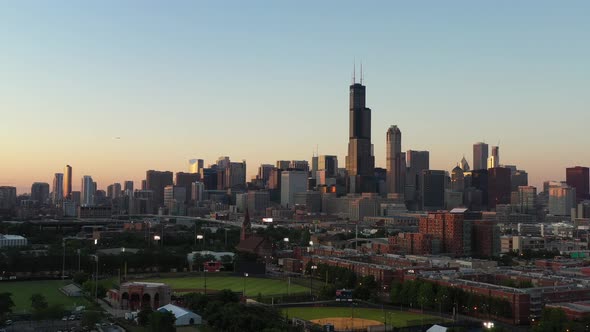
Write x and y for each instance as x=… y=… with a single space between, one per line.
x=268 y=80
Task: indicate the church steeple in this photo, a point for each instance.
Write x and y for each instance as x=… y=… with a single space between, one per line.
x=246 y=226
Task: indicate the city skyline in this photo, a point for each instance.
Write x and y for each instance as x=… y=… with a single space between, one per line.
x=124 y=109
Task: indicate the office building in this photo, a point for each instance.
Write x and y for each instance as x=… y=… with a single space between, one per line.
x=283 y=164
x=174 y=199
x=67 y=187
x=76 y=197
x=432 y=190
x=257 y=201
x=7 y=197
x=499 y=187
x=195 y=165
x=527 y=199
x=494 y=159
x=292 y=182
x=396 y=163
x=197 y=191
x=114 y=191
x=264 y=171
x=562 y=199
x=464 y=165
x=235 y=176
x=328 y=164
x=300 y=165
x=209 y=178
x=519 y=178
x=186 y=180
x=577 y=177
x=360 y=161
x=457 y=179
x=480 y=156
x=223 y=162
x=128 y=187
x=40 y=192
x=88 y=191
x=314 y=165
x=416 y=162
x=58 y=188
x=156 y=181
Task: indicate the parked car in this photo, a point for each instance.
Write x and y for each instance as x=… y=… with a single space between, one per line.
x=72 y=317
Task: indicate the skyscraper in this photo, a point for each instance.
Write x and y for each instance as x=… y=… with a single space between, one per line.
x=186 y=180
x=87 y=192
x=396 y=165
x=58 y=187
x=292 y=182
x=495 y=157
x=157 y=181
x=195 y=165
x=480 y=156
x=40 y=192
x=329 y=164
x=499 y=187
x=67 y=188
x=128 y=187
x=577 y=177
x=432 y=190
x=360 y=161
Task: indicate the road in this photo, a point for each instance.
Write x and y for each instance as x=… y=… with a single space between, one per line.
x=42 y=326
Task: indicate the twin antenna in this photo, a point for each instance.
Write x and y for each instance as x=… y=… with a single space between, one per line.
x=354 y=72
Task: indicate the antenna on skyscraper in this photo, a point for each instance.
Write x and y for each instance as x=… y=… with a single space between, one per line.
x=354 y=71
x=361 y=72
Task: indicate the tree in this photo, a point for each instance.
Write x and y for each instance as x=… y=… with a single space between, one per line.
x=143 y=317
x=6 y=303
x=90 y=318
x=396 y=290
x=38 y=302
x=426 y=295
x=162 y=321
x=80 y=278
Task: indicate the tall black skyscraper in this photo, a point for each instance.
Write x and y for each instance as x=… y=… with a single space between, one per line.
x=360 y=162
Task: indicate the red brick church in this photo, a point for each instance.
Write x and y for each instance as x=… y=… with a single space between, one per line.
x=254 y=244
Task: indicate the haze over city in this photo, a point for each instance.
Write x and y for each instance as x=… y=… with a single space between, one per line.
x=117 y=88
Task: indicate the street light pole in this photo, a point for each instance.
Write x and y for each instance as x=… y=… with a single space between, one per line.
x=313 y=268
x=245 y=277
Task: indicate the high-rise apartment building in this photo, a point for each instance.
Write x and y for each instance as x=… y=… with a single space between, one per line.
x=453 y=231
x=88 y=191
x=195 y=165
x=396 y=165
x=67 y=187
x=577 y=177
x=58 y=187
x=292 y=182
x=480 y=156
x=157 y=181
x=360 y=161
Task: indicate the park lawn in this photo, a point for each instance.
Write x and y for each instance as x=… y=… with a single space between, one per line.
x=398 y=318
x=254 y=286
x=22 y=291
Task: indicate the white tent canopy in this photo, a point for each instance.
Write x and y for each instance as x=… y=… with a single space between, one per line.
x=183 y=316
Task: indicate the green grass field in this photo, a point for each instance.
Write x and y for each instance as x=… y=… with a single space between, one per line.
x=254 y=286
x=22 y=291
x=397 y=318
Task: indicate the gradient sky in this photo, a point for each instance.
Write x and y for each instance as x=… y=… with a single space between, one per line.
x=268 y=80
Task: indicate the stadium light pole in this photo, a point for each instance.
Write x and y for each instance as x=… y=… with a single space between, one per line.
x=311 y=272
x=245 y=277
